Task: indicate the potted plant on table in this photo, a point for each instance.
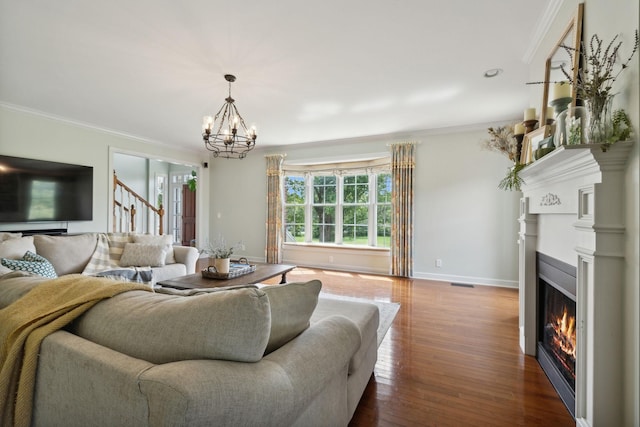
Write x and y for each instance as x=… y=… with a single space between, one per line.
x=221 y=253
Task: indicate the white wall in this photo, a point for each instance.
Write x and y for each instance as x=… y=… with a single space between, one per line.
x=461 y=215
x=608 y=18
x=27 y=134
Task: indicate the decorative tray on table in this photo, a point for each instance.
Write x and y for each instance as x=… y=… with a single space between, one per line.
x=236 y=268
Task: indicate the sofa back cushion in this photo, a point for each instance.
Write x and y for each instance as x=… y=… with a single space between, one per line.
x=68 y=254
x=292 y=305
x=15 y=248
x=228 y=325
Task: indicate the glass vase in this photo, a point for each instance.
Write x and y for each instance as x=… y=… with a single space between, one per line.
x=599 y=119
x=571 y=126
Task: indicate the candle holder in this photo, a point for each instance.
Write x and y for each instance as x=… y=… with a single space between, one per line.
x=519 y=139
x=529 y=125
x=560 y=104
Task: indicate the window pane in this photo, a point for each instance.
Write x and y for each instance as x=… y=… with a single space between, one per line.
x=323 y=223
x=356 y=189
x=384 y=226
x=294 y=190
x=384 y=188
x=324 y=189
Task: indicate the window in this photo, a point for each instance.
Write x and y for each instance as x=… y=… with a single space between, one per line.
x=323 y=221
x=355 y=210
x=295 y=197
x=349 y=206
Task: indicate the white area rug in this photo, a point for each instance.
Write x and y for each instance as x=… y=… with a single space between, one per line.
x=388 y=311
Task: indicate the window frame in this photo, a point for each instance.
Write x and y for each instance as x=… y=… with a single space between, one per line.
x=372 y=170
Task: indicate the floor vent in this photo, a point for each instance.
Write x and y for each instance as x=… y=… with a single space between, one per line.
x=462 y=285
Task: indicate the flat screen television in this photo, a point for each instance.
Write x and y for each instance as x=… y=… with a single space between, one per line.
x=37 y=190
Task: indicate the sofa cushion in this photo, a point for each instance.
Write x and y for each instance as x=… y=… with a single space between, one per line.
x=31 y=263
x=68 y=254
x=291 y=307
x=16 y=248
x=230 y=325
x=138 y=254
x=165 y=240
x=16 y=284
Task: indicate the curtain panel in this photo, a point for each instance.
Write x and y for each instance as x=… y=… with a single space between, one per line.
x=402 y=202
x=274 y=209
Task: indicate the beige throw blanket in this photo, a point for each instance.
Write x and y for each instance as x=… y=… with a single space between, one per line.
x=25 y=323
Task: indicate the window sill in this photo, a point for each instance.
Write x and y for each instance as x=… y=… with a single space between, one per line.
x=336 y=247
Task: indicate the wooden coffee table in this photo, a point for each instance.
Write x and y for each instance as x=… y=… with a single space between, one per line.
x=263 y=272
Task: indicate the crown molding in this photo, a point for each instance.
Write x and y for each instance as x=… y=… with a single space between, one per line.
x=84 y=125
x=542 y=28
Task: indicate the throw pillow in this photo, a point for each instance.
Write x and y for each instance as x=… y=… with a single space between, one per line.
x=68 y=254
x=165 y=239
x=16 y=248
x=31 y=263
x=138 y=255
x=292 y=305
x=6 y=236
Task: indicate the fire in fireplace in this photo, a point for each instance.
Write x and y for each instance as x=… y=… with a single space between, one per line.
x=557 y=326
x=559 y=334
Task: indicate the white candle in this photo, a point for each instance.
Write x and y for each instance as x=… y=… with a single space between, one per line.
x=518 y=129
x=529 y=114
x=550 y=112
x=561 y=90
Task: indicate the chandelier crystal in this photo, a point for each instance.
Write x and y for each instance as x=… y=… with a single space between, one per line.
x=228 y=137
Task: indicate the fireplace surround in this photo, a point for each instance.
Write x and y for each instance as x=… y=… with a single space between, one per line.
x=572 y=210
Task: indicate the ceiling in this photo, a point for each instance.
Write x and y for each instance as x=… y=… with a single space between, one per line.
x=306 y=71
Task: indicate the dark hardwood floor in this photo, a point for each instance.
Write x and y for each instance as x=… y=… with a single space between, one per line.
x=450 y=358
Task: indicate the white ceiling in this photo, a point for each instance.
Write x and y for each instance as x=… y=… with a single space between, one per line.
x=306 y=71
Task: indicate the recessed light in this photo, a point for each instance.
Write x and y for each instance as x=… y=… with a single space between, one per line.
x=492 y=73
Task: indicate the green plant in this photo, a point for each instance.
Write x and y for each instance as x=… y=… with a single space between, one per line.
x=218 y=248
x=512 y=181
x=621 y=126
x=502 y=140
x=192 y=181
x=597 y=72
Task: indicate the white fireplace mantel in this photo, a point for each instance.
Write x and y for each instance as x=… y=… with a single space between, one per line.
x=588 y=184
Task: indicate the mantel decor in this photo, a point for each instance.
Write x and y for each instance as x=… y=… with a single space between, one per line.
x=503 y=140
x=600 y=67
x=229 y=136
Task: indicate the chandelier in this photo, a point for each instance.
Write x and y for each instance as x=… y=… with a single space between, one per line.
x=230 y=138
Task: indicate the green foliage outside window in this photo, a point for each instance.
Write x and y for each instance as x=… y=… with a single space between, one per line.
x=359 y=200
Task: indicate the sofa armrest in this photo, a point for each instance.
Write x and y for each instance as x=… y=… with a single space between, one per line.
x=80 y=383
x=188 y=256
x=275 y=391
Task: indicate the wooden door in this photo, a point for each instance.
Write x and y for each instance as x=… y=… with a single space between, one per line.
x=188 y=215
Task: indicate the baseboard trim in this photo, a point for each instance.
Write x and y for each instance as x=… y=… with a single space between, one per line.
x=469 y=280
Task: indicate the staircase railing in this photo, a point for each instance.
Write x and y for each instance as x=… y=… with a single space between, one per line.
x=132 y=213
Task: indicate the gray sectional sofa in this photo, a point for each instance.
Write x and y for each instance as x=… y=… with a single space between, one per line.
x=177 y=358
x=71 y=254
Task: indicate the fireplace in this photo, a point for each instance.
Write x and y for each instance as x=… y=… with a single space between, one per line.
x=572 y=209
x=556 y=349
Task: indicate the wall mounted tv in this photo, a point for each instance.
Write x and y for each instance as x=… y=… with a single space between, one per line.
x=37 y=190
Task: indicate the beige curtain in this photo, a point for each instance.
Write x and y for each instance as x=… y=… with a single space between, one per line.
x=274 y=208
x=402 y=171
